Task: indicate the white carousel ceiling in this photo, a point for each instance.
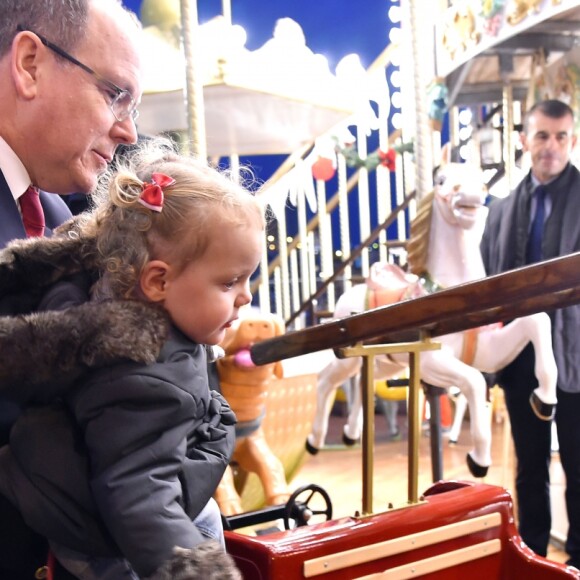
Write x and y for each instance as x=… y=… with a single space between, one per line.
x=241 y=120
x=271 y=100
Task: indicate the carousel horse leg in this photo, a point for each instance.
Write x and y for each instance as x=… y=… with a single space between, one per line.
x=351 y=432
x=543 y=399
x=254 y=455
x=329 y=379
x=226 y=495
x=497 y=348
x=442 y=369
x=459 y=415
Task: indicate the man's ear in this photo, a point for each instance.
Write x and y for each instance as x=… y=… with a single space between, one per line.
x=154 y=280
x=524 y=141
x=27 y=55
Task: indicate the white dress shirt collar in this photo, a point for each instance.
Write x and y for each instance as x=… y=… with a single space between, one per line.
x=14 y=171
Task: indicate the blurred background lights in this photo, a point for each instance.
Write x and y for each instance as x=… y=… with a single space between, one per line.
x=465 y=116
x=395 y=14
x=395 y=35
x=397 y=120
x=396 y=100
x=396 y=78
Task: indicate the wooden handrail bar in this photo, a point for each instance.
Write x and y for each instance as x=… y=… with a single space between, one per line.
x=544 y=286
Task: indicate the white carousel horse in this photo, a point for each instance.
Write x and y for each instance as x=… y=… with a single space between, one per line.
x=445 y=255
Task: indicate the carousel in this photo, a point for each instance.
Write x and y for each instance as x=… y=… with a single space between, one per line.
x=490 y=57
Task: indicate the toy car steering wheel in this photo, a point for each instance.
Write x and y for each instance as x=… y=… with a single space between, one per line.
x=300 y=510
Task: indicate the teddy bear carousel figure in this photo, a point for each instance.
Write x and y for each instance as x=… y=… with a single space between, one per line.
x=259 y=395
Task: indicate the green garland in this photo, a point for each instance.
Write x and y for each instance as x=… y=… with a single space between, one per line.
x=373 y=160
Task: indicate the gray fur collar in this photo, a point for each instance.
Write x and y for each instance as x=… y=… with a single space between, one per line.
x=36 y=263
x=207 y=561
x=41 y=347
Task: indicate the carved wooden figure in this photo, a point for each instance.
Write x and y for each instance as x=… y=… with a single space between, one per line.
x=245 y=386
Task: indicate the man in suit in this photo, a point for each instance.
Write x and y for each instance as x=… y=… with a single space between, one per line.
x=62 y=116
x=70 y=82
x=540 y=220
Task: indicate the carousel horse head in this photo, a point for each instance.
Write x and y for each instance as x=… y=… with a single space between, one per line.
x=449 y=222
x=460 y=192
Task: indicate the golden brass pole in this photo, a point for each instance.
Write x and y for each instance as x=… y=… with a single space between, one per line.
x=368 y=435
x=369 y=352
x=414 y=437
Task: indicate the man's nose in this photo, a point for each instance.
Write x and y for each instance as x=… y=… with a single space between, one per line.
x=124 y=132
x=552 y=142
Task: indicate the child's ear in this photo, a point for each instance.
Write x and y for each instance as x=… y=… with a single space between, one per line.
x=154 y=280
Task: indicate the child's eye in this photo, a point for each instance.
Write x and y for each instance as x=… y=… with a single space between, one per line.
x=230 y=285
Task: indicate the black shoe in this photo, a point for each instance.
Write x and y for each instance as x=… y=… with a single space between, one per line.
x=348 y=441
x=396 y=436
x=476 y=469
x=310 y=448
x=542 y=410
x=572 y=562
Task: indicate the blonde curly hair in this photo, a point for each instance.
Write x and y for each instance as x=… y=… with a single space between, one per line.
x=127 y=234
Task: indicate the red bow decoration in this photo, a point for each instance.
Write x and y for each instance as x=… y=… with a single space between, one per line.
x=388 y=159
x=152 y=193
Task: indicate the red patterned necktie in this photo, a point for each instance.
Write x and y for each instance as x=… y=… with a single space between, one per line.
x=32 y=214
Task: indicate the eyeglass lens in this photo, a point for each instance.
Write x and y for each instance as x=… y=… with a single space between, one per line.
x=123 y=106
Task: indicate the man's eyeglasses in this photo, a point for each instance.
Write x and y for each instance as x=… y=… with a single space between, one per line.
x=122 y=105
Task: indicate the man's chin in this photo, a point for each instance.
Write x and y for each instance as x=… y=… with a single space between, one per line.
x=550 y=171
x=87 y=184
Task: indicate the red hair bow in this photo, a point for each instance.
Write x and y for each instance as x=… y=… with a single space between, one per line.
x=152 y=193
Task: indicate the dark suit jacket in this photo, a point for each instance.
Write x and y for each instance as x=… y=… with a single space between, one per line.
x=11 y=228
x=503 y=248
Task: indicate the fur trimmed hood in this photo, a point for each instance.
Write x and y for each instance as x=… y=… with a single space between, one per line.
x=41 y=347
x=44 y=352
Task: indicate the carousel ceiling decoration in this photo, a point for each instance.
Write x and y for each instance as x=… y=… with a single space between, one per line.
x=481 y=45
x=267 y=101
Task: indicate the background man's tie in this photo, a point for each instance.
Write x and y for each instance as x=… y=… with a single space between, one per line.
x=32 y=214
x=534 y=249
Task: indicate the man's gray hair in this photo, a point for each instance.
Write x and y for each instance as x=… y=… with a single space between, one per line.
x=63 y=22
x=552 y=108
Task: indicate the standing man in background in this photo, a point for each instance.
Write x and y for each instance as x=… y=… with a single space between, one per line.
x=540 y=220
x=70 y=83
